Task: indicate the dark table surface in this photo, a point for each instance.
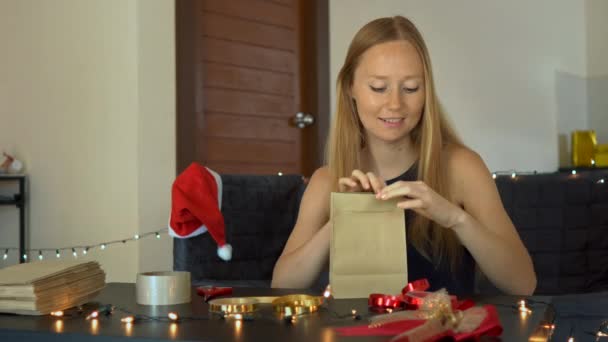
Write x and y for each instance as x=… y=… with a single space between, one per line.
x=580 y=314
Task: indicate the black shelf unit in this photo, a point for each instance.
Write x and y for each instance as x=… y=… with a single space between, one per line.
x=17 y=200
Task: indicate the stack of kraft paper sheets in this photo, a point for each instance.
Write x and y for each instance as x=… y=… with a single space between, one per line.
x=39 y=288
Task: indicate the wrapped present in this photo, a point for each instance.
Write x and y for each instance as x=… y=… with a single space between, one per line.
x=601 y=155
x=583 y=147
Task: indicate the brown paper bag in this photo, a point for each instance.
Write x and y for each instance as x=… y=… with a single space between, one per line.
x=367 y=248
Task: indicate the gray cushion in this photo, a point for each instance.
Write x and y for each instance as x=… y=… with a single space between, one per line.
x=259 y=212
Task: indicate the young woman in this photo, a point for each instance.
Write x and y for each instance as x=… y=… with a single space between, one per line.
x=390 y=136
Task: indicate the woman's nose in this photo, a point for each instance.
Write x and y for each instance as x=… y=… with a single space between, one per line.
x=394 y=101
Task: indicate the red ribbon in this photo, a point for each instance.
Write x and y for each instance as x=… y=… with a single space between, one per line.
x=209 y=292
x=490 y=326
x=382 y=302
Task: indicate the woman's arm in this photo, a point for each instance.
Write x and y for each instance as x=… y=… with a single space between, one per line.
x=476 y=216
x=307 y=249
x=484 y=227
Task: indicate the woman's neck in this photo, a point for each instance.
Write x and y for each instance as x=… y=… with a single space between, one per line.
x=389 y=160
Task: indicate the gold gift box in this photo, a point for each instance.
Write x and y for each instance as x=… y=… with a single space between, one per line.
x=601 y=155
x=584 y=146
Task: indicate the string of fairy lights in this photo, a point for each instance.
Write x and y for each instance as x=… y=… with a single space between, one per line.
x=513 y=174
x=524 y=308
x=84 y=249
x=79 y=250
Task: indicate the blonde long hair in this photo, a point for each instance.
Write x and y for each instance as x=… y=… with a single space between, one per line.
x=430 y=136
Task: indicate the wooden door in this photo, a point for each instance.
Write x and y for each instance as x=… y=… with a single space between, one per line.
x=244 y=69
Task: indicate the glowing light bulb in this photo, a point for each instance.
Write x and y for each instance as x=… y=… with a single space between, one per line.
x=93 y=315
x=128 y=319
x=57 y=313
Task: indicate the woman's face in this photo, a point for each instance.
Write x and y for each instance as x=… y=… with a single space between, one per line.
x=388 y=89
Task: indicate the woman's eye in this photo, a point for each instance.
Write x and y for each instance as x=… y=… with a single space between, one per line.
x=411 y=90
x=378 y=89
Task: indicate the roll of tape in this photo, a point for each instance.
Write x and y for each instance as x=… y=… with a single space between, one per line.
x=163 y=288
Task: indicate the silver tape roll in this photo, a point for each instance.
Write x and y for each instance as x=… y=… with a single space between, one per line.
x=163 y=288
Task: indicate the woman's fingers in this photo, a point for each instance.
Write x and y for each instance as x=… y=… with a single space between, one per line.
x=346 y=184
x=362 y=178
x=411 y=204
x=376 y=182
x=359 y=181
x=400 y=189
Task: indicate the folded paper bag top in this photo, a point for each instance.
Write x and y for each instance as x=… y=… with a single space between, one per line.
x=368 y=247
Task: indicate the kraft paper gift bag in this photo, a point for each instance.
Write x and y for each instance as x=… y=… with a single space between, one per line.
x=367 y=248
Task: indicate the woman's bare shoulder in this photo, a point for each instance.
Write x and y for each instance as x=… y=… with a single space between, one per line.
x=321 y=177
x=465 y=170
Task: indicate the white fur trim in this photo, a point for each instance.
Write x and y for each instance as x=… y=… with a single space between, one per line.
x=200 y=230
x=225 y=252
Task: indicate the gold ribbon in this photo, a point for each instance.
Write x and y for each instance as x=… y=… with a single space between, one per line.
x=234 y=305
x=289 y=305
x=296 y=304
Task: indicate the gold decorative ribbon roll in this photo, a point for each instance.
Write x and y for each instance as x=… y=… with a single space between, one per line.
x=243 y=305
x=163 y=288
x=286 y=305
x=297 y=304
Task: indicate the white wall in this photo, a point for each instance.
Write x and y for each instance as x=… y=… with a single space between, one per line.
x=597 y=57
x=87 y=102
x=499 y=68
x=157 y=159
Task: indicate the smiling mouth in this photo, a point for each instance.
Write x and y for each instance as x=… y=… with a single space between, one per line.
x=392 y=120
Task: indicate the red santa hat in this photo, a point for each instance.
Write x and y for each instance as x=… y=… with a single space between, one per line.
x=196 y=199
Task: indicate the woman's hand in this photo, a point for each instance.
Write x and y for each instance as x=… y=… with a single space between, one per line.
x=361 y=182
x=424 y=201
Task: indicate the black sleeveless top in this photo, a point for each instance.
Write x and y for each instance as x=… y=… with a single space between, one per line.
x=461 y=282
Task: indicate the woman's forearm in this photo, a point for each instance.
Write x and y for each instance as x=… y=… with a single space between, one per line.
x=301 y=267
x=506 y=263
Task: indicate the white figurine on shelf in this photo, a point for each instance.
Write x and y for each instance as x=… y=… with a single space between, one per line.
x=10 y=164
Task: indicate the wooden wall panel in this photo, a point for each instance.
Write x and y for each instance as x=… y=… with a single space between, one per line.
x=242 y=78
x=263 y=12
x=227 y=125
x=251 y=151
x=222 y=100
x=244 y=31
x=242 y=54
